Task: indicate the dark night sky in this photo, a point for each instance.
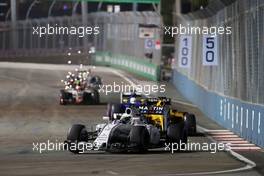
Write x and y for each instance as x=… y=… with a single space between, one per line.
x=60 y=9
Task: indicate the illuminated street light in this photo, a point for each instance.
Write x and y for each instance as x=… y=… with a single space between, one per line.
x=30 y=7
x=50 y=8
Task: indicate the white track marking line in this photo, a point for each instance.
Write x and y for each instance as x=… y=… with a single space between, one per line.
x=112 y=172
x=184 y=103
x=249 y=164
x=123 y=77
x=134 y=84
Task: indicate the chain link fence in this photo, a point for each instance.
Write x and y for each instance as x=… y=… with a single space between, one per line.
x=240 y=71
x=231 y=93
x=119 y=34
x=19 y=41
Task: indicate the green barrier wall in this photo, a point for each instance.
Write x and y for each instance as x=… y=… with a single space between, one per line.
x=128 y=63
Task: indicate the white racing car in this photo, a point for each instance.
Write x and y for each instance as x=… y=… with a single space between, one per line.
x=128 y=132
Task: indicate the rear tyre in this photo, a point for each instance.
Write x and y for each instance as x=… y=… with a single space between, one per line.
x=177 y=133
x=96 y=97
x=139 y=138
x=191 y=124
x=86 y=98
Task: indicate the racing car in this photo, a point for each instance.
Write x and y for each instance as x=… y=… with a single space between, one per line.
x=188 y=118
x=77 y=91
x=135 y=100
x=137 y=129
x=79 y=96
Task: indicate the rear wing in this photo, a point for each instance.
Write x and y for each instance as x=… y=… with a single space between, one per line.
x=154 y=101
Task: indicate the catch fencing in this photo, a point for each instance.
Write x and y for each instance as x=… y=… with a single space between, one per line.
x=232 y=92
x=119 y=34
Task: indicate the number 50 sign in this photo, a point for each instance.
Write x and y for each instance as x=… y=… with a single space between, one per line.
x=210 y=55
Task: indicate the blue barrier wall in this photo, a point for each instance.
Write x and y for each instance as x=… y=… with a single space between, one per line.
x=243 y=118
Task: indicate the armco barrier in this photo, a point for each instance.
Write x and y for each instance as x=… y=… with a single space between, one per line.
x=243 y=118
x=128 y=63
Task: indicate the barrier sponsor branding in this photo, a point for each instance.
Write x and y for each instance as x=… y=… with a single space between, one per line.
x=128 y=63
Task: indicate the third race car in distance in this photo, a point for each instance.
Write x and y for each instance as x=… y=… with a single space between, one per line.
x=80 y=88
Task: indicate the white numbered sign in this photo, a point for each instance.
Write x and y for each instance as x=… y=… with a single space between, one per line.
x=210 y=52
x=149 y=43
x=185 y=51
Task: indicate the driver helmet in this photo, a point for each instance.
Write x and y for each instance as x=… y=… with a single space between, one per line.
x=133 y=100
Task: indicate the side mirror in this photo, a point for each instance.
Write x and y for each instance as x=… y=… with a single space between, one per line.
x=106 y=118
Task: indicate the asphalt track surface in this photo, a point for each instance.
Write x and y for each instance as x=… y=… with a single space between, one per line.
x=30 y=112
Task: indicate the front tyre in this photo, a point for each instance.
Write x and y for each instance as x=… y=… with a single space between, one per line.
x=76 y=134
x=63 y=96
x=115 y=108
x=139 y=138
